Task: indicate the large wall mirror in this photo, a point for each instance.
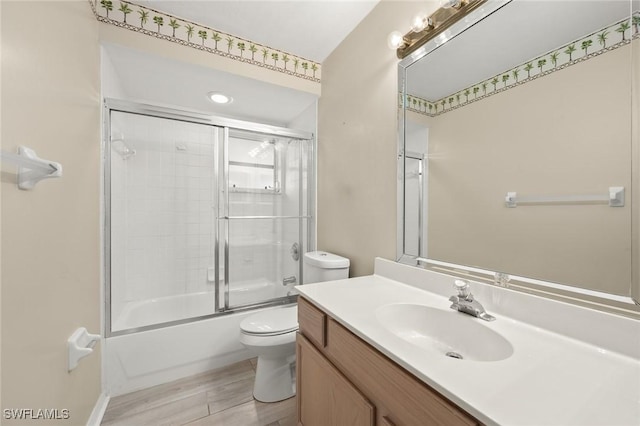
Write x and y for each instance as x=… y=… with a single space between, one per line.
x=519 y=148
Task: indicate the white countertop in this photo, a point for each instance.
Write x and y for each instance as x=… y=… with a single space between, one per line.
x=550 y=379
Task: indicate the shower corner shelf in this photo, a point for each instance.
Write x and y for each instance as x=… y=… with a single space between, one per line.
x=31 y=168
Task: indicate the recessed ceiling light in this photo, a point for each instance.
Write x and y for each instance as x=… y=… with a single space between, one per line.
x=219 y=98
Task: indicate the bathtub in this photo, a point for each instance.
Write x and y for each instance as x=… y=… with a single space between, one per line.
x=164 y=309
x=173 y=308
x=148 y=358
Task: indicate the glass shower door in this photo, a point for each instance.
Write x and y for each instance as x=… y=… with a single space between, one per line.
x=161 y=189
x=264 y=216
x=201 y=218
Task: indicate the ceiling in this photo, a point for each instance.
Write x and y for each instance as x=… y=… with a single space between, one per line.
x=145 y=77
x=311 y=29
x=513 y=35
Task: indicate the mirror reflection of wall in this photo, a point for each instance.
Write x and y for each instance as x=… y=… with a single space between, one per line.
x=504 y=116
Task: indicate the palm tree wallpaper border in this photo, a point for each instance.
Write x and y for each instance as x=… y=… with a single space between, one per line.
x=595 y=44
x=161 y=25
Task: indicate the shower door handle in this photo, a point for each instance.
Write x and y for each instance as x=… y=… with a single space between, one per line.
x=289 y=280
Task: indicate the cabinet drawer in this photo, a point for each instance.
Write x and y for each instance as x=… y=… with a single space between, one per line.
x=312 y=322
x=407 y=399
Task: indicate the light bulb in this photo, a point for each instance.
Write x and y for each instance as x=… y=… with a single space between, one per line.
x=219 y=98
x=418 y=23
x=447 y=4
x=395 y=40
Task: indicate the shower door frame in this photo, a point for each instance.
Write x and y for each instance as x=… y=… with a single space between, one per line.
x=421 y=160
x=223 y=125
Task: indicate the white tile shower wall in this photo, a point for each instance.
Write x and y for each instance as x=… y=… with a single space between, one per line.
x=252 y=241
x=162 y=209
x=260 y=248
x=307 y=121
x=291 y=204
x=118 y=237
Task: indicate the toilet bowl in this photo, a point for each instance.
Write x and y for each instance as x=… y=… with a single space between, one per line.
x=271 y=334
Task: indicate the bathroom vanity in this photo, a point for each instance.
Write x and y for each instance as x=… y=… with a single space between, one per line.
x=343 y=380
x=377 y=350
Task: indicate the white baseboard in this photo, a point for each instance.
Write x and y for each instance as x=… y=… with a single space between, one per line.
x=98 y=410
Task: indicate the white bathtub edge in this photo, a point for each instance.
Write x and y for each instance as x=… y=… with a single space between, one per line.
x=149 y=358
x=140 y=383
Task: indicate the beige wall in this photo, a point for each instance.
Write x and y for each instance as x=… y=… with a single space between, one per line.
x=357 y=140
x=50 y=235
x=566 y=133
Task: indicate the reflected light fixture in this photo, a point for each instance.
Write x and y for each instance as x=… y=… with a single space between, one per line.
x=425 y=28
x=219 y=98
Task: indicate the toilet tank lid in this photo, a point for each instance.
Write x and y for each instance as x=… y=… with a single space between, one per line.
x=325 y=260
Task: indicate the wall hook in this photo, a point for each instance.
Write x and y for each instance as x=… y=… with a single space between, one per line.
x=80 y=345
x=31 y=168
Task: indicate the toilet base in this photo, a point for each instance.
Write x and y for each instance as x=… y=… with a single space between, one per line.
x=275 y=379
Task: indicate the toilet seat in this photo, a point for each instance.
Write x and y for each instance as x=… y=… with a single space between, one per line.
x=271 y=323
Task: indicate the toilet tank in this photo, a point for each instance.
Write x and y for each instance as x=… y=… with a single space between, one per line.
x=322 y=266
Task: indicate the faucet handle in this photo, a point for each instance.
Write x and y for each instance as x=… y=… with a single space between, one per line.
x=462 y=287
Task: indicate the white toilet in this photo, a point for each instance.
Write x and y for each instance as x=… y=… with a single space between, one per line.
x=271 y=334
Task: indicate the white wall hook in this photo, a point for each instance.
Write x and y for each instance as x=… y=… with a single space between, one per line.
x=510 y=199
x=80 y=344
x=31 y=168
x=616 y=196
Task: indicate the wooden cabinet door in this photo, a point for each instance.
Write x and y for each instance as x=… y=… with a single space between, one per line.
x=325 y=396
x=398 y=394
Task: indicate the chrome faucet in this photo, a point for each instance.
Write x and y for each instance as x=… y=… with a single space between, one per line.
x=464 y=302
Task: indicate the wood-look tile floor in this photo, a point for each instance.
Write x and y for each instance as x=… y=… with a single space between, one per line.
x=218 y=397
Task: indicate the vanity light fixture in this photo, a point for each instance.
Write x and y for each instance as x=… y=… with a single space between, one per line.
x=447 y=4
x=396 y=40
x=420 y=22
x=425 y=28
x=219 y=98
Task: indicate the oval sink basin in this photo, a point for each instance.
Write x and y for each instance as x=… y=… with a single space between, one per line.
x=449 y=332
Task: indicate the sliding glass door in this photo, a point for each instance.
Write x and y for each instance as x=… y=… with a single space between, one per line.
x=203 y=216
x=161 y=203
x=264 y=215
